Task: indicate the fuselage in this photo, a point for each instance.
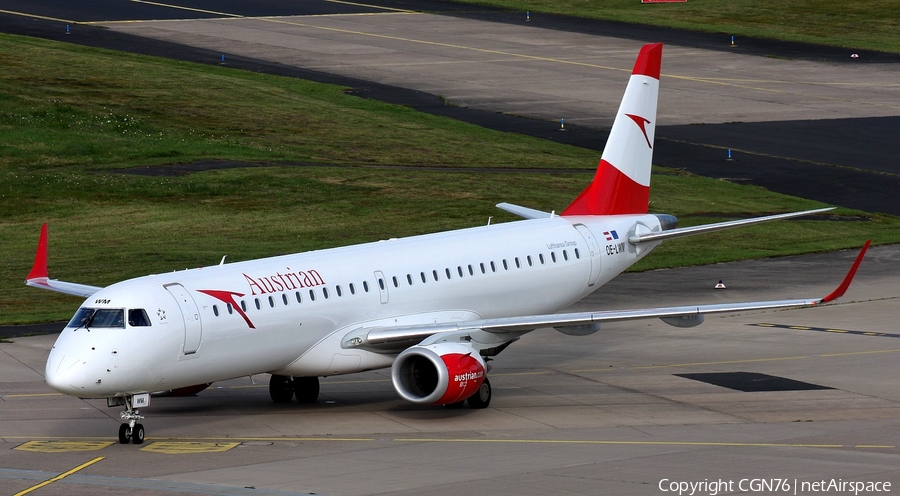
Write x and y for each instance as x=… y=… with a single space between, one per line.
x=287 y=314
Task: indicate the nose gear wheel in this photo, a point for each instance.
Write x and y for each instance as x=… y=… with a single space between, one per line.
x=131 y=430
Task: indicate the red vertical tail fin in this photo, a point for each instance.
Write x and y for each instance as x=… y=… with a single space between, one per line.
x=622 y=182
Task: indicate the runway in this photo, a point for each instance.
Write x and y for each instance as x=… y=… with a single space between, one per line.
x=613 y=413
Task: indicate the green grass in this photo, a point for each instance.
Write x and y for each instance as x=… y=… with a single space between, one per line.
x=69 y=115
x=870 y=24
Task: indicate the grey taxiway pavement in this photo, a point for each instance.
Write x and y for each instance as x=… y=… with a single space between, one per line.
x=543 y=73
x=612 y=413
x=616 y=412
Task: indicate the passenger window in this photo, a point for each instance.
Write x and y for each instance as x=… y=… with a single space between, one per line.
x=366 y=286
x=541 y=258
x=137 y=317
x=482 y=268
x=447 y=271
x=230 y=308
x=299 y=300
x=257 y=303
x=553 y=256
x=424 y=279
x=325 y=293
x=312 y=295
x=396 y=282
x=434 y=273
x=505 y=265
x=215 y=312
x=565 y=255
x=530 y=262
x=271 y=302
x=518 y=264
x=577 y=254
x=243 y=305
x=284 y=299
x=471 y=272
x=409 y=279
x=459 y=269
x=493 y=267
x=352 y=289
x=381 y=284
x=337 y=289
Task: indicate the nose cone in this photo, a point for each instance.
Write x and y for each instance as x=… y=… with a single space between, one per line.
x=65 y=373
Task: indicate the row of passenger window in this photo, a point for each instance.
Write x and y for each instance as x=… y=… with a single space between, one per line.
x=297 y=295
x=435 y=275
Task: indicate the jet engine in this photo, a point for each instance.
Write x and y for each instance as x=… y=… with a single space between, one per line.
x=438 y=374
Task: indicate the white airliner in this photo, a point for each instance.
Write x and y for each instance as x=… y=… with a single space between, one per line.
x=433 y=308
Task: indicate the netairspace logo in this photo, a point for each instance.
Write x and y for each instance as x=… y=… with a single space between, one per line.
x=772 y=486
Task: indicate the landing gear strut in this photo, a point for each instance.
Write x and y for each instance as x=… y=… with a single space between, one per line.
x=283 y=388
x=131 y=430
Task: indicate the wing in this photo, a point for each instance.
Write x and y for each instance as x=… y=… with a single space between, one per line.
x=491 y=336
x=39 y=278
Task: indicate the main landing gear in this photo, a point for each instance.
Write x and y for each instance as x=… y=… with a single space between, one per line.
x=477 y=401
x=131 y=430
x=482 y=398
x=284 y=388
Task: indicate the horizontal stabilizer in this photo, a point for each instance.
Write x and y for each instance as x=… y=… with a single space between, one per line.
x=690 y=231
x=524 y=212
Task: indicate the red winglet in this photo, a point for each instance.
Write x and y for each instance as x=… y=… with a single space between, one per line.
x=837 y=293
x=649 y=60
x=39 y=269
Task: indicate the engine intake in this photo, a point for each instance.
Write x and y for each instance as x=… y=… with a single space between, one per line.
x=438 y=374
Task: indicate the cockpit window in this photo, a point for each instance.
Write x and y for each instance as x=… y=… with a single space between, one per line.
x=98 y=317
x=137 y=317
x=81 y=317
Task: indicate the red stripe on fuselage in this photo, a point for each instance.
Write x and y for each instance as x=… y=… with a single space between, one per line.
x=228 y=298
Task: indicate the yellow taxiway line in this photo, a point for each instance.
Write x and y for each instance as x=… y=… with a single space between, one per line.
x=35 y=16
x=60 y=476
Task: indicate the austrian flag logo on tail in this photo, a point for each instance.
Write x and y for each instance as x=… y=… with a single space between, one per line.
x=611 y=235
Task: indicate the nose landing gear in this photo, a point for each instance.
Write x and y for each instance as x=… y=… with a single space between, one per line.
x=131 y=430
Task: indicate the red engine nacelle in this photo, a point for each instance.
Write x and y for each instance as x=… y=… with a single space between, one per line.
x=438 y=374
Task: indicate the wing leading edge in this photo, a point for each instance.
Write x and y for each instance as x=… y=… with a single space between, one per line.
x=494 y=334
x=39 y=278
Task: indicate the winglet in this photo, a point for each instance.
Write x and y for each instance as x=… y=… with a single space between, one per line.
x=837 y=293
x=39 y=269
x=649 y=60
